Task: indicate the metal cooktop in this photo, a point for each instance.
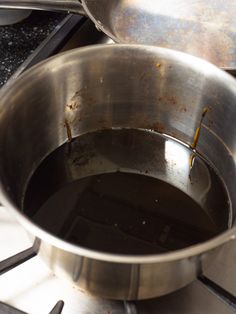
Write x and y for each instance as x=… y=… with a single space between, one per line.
x=27 y=286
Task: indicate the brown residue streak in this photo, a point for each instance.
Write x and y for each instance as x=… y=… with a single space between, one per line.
x=198 y=130
x=183 y=109
x=196 y=138
x=171 y=100
x=73 y=105
x=205 y=110
x=75 y=101
x=158 y=65
x=158 y=127
x=68 y=131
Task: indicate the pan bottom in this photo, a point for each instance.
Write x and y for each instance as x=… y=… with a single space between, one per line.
x=129 y=192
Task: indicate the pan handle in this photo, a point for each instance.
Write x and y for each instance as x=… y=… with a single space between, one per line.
x=72 y=6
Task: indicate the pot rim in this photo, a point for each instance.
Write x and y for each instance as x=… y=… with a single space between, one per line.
x=37 y=231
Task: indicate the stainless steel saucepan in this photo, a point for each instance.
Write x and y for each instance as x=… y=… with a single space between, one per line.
x=202 y=28
x=123 y=86
x=8 y=17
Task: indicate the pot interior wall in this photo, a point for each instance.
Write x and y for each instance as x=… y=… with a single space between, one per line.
x=102 y=88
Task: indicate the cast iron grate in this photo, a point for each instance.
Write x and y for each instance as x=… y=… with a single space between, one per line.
x=12 y=262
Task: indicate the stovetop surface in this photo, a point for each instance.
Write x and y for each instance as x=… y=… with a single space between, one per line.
x=31 y=287
x=18 y=41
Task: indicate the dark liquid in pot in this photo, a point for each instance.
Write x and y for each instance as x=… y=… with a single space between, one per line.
x=118 y=212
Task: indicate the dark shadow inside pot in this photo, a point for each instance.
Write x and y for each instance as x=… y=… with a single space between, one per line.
x=128 y=192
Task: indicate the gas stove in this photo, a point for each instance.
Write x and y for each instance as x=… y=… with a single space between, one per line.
x=28 y=286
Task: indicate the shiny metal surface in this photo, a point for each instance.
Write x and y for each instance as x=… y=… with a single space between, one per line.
x=223 y=269
x=8 y=17
x=73 y=6
x=117 y=86
x=202 y=28
x=32 y=288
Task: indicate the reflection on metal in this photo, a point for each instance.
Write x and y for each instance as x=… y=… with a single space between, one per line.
x=202 y=28
x=130 y=307
x=73 y=6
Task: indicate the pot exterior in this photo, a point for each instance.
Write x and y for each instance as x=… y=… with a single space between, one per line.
x=8 y=17
x=124 y=281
